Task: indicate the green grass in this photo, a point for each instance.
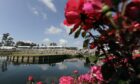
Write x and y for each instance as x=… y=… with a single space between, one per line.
x=30 y=53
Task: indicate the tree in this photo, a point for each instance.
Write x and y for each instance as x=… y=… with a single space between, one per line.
x=4 y=38
x=10 y=41
x=22 y=43
x=0 y=44
x=7 y=40
x=118 y=27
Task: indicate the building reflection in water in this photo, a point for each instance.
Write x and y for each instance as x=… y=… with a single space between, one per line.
x=3 y=64
x=16 y=60
x=51 y=61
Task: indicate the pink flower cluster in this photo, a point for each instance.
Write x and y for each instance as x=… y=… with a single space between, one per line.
x=30 y=78
x=96 y=72
x=85 y=78
x=83 y=12
x=118 y=25
x=86 y=12
x=66 y=80
x=93 y=76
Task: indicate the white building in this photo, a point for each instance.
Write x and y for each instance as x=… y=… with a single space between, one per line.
x=7 y=48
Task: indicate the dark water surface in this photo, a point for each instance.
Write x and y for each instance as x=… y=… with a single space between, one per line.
x=17 y=73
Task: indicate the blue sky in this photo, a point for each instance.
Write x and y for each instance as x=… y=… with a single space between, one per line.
x=40 y=21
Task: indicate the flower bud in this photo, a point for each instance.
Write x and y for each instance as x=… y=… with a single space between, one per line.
x=30 y=78
x=39 y=82
x=75 y=71
x=109 y=14
x=105 y=8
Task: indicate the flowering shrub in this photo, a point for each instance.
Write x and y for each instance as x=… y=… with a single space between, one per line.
x=93 y=76
x=117 y=27
x=85 y=78
x=66 y=80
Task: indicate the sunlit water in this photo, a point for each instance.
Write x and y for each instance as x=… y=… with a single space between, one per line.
x=11 y=73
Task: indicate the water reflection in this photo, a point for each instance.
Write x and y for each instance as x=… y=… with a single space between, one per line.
x=3 y=64
x=62 y=66
x=45 y=71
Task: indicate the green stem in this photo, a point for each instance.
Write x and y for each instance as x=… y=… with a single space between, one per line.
x=123 y=8
x=113 y=23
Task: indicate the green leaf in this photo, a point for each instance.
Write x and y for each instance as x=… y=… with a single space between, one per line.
x=77 y=33
x=85 y=43
x=71 y=31
x=122 y=82
x=83 y=34
x=87 y=36
x=116 y=2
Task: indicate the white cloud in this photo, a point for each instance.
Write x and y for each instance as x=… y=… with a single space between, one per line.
x=49 y=4
x=35 y=11
x=63 y=42
x=53 y=30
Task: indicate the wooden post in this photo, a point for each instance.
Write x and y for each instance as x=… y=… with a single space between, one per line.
x=43 y=59
x=13 y=58
x=22 y=59
x=33 y=59
x=17 y=59
x=27 y=59
x=7 y=58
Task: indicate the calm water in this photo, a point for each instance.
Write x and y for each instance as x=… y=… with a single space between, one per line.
x=15 y=73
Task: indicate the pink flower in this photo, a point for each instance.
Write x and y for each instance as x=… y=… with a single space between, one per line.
x=99 y=76
x=109 y=57
x=72 y=13
x=85 y=78
x=96 y=72
x=88 y=7
x=93 y=5
x=72 y=17
x=135 y=26
x=77 y=11
x=92 y=46
x=39 y=82
x=136 y=56
x=53 y=82
x=30 y=78
x=94 y=69
x=133 y=10
x=66 y=80
x=75 y=71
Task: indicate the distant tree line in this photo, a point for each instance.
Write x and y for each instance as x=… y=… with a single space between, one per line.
x=7 y=40
x=21 y=43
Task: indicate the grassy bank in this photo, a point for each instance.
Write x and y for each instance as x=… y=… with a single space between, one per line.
x=30 y=53
x=6 y=53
